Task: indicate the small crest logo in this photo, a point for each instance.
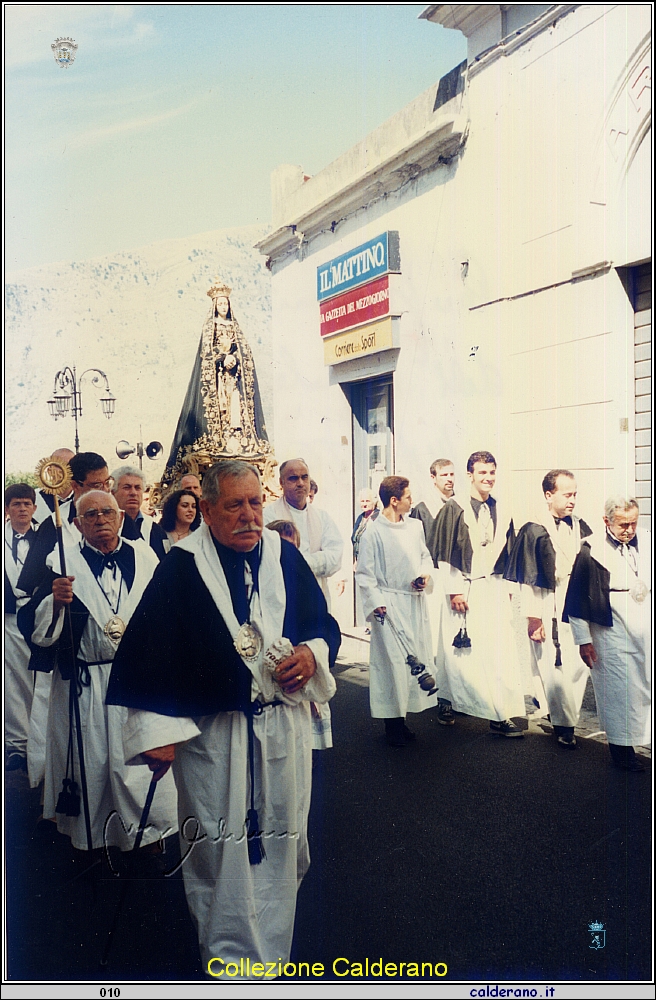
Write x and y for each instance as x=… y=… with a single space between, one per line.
x=64 y=51
x=598 y=935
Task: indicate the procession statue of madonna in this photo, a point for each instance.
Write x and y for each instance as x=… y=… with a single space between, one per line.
x=222 y=414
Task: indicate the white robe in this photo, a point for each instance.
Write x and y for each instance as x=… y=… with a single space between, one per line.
x=559 y=690
x=112 y=786
x=242 y=910
x=437 y=610
x=483 y=680
x=321 y=543
x=19 y=680
x=392 y=555
x=621 y=676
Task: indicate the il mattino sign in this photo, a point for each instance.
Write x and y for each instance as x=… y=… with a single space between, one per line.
x=357 y=267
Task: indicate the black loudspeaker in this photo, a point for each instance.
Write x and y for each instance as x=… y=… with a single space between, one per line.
x=154 y=449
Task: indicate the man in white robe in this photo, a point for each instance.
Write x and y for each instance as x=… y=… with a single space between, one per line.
x=394 y=568
x=473 y=542
x=428 y=511
x=541 y=563
x=321 y=543
x=27 y=691
x=231 y=643
x=20 y=507
x=609 y=610
x=106 y=577
x=89 y=471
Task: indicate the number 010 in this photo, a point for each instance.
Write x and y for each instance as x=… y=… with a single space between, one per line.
x=111 y=992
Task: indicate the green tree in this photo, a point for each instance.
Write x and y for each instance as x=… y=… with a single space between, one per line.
x=20 y=477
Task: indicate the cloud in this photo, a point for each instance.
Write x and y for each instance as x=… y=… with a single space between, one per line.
x=95 y=135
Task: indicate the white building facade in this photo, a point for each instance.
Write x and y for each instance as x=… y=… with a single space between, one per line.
x=480 y=269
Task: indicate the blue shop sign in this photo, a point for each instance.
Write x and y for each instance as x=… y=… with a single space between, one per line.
x=356 y=267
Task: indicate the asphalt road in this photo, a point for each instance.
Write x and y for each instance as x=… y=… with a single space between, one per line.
x=491 y=855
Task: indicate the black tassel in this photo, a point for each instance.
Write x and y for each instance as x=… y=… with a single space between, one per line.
x=462 y=640
x=554 y=636
x=68 y=802
x=256 y=852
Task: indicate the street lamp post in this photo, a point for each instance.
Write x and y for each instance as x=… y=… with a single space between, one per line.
x=68 y=393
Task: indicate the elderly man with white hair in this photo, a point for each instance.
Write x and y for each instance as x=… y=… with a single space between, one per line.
x=608 y=608
x=106 y=576
x=128 y=489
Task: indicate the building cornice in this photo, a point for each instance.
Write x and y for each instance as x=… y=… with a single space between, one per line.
x=469 y=18
x=512 y=42
x=465 y=17
x=438 y=142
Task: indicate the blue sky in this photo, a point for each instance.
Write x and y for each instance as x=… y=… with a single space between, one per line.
x=172 y=117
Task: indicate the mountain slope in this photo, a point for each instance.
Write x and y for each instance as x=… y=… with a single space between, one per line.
x=137 y=316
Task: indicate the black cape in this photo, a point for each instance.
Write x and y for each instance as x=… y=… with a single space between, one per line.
x=422 y=513
x=132 y=530
x=35 y=573
x=177 y=656
x=452 y=544
x=588 y=593
x=61 y=653
x=533 y=558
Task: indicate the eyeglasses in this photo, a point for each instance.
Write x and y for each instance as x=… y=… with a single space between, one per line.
x=91 y=516
x=104 y=485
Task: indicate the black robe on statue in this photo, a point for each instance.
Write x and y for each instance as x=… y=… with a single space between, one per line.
x=177 y=656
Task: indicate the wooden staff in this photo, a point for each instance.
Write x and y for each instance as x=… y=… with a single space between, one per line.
x=54 y=476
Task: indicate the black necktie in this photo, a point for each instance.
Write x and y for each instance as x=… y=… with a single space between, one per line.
x=233 y=567
x=16 y=539
x=122 y=557
x=566 y=520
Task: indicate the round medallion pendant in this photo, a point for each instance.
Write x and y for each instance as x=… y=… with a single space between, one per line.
x=114 y=629
x=248 y=641
x=639 y=591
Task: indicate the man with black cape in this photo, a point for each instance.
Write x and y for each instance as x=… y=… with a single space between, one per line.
x=541 y=563
x=231 y=642
x=472 y=543
x=608 y=607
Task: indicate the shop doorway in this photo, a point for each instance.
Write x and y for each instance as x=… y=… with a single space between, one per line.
x=372 y=406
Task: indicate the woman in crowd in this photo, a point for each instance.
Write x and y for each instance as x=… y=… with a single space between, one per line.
x=180 y=516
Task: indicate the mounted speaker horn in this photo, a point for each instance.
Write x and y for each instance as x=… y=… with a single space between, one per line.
x=124 y=449
x=154 y=450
